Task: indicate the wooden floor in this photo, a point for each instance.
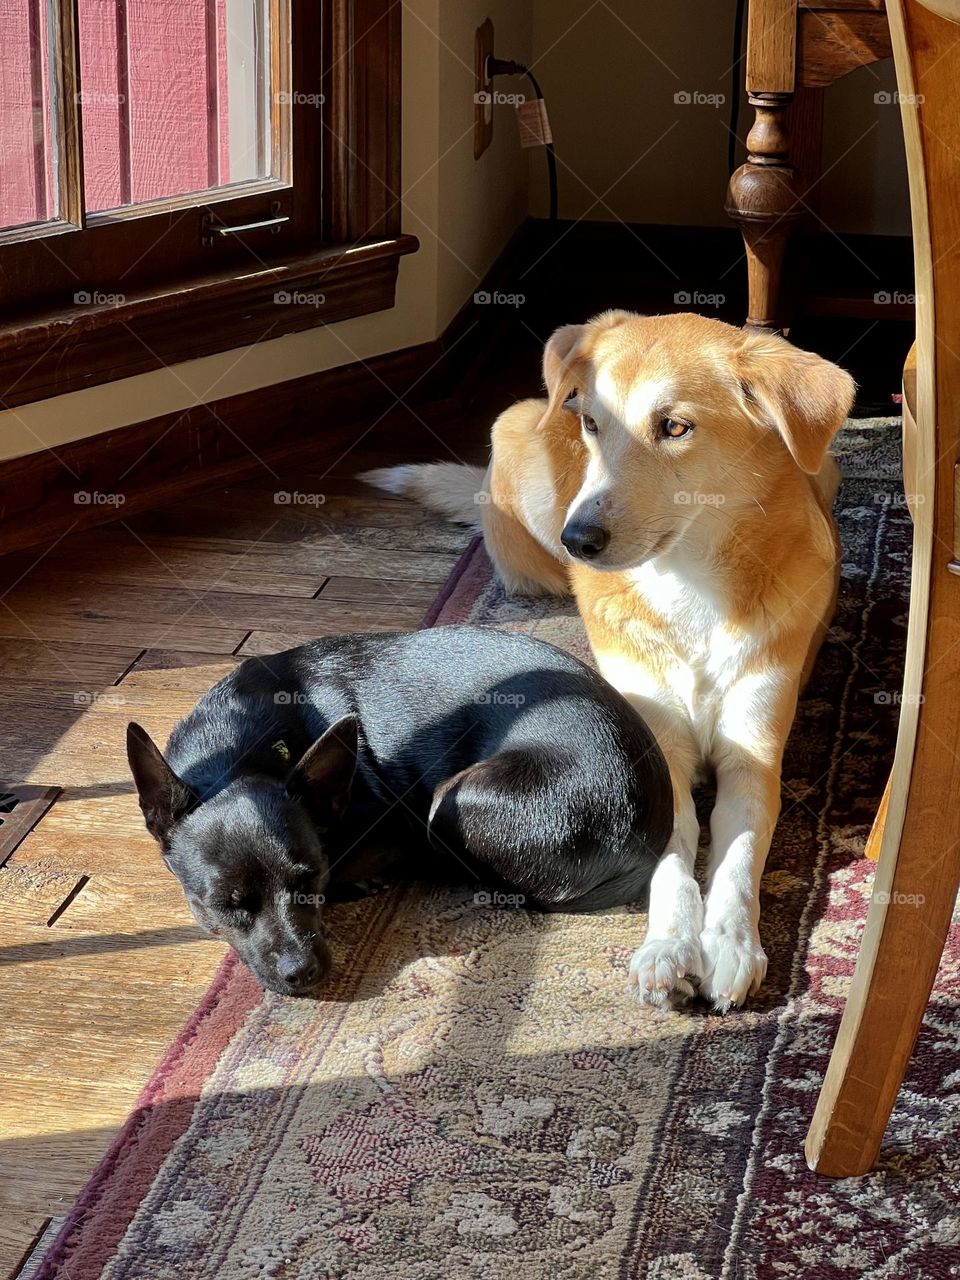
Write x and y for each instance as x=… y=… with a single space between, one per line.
x=100 y=960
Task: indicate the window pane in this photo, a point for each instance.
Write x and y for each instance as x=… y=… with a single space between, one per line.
x=28 y=189
x=175 y=97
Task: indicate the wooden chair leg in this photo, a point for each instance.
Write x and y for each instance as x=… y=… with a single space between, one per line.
x=918 y=872
x=875 y=838
x=915 y=889
x=906 y=930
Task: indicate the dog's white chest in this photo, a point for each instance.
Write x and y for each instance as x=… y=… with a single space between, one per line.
x=705 y=657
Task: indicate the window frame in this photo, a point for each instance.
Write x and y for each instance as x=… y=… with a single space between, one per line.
x=162 y=288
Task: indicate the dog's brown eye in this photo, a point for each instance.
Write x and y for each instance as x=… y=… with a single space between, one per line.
x=674 y=430
x=589 y=424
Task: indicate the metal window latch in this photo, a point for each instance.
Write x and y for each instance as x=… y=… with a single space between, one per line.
x=214 y=229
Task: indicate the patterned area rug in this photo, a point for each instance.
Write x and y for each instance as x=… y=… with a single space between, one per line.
x=479 y=1098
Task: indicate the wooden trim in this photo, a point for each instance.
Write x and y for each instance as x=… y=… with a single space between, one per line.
x=125 y=105
x=362 y=118
x=156 y=257
x=92 y=343
x=66 y=112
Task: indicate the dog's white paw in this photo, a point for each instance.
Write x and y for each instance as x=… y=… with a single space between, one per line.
x=660 y=970
x=734 y=963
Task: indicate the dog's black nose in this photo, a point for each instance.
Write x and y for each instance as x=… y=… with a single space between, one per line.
x=585 y=541
x=298 y=972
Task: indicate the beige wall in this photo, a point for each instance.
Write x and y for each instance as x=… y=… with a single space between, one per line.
x=628 y=151
x=445 y=194
x=481 y=201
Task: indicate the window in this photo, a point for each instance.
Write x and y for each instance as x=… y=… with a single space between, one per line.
x=179 y=177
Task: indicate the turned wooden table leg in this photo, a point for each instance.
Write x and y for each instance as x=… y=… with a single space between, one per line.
x=762 y=199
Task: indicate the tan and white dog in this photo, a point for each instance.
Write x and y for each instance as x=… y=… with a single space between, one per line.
x=677 y=482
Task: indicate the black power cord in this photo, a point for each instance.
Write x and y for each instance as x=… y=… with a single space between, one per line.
x=735 y=79
x=506 y=67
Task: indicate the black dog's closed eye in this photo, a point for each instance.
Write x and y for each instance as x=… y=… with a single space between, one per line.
x=241 y=906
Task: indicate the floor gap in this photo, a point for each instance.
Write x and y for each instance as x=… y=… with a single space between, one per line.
x=71 y=896
x=126 y=671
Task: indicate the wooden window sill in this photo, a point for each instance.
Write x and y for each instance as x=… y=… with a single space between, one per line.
x=96 y=339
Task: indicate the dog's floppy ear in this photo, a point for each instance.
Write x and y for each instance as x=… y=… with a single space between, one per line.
x=805 y=397
x=558 y=361
x=566 y=358
x=164 y=798
x=324 y=774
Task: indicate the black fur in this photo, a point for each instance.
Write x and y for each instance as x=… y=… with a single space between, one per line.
x=463 y=752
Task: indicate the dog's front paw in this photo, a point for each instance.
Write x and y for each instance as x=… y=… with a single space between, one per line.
x=734 y=962
x=660 y=970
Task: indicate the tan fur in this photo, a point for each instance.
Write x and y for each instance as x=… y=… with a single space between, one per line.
x=711 y=594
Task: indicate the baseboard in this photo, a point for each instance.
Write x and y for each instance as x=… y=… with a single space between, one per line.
x=44 y=495
x=88 y=482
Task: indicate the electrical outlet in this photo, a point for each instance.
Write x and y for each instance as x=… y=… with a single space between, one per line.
x=483 y=91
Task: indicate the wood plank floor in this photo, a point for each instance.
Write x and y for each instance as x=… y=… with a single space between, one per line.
x=100 y=960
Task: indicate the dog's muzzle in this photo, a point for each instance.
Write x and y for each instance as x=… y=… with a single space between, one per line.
x=583 y=540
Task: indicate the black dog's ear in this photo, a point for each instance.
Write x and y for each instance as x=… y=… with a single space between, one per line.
x=164 y=798
x=325 y=772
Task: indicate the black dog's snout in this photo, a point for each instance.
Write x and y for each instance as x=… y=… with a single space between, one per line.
x=584 y=540
x=298 y=972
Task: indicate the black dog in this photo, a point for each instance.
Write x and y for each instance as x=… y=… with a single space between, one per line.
x=457 y=747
